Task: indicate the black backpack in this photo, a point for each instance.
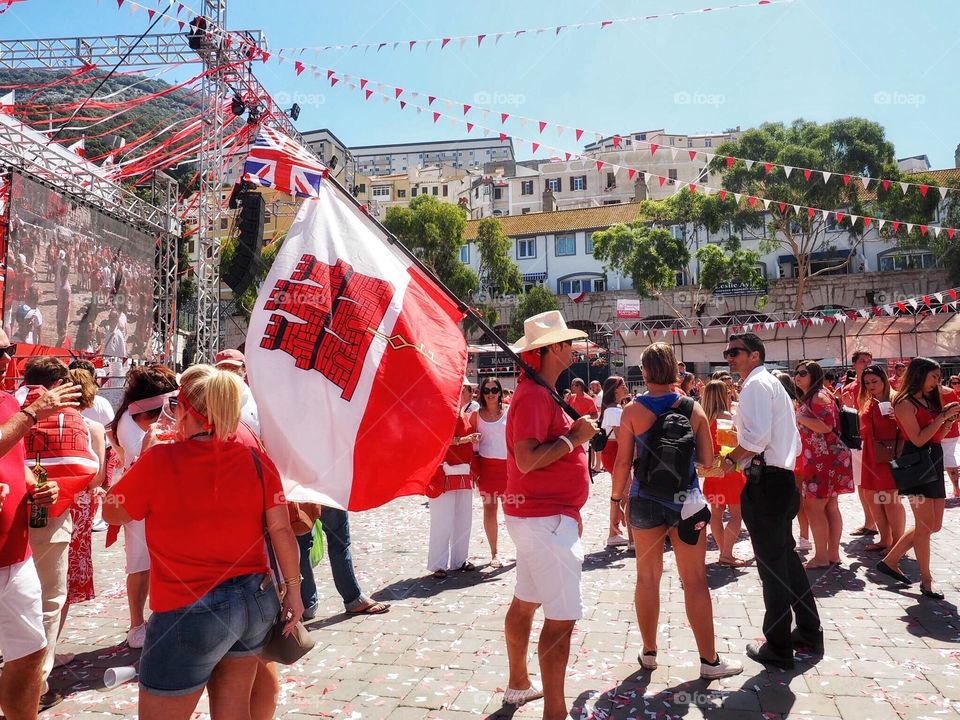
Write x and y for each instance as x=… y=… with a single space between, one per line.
x=664 y=471
x=849 y=433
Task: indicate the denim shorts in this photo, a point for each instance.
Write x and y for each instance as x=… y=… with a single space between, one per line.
x=184 y=646
x=647 y=514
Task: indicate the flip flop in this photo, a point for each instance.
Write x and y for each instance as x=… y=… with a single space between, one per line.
x=375 y=608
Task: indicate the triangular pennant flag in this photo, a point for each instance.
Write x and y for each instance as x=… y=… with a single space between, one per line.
x=534 y=147
x=787 y=170
x=943 y=193
x=692 y=154
x=880 y=224
x=542 y=125
x=630 y=173
x=768 y=167
x=766 y=204
x=480 y=39
x=578 y=132
x=436 y=116
x=737 y=197
x=846 y=179
x=904 y=186
x=924 y=189
x=397 y=92
x=749 y=164
x=469 y=127
x=616 y=139
x=443 y=43
x=886 y=184
x=503 y=118
x=826 y=176
x=466 y=108
x=599 y=165
x=807 y=174
x=653 y=148
x=730 y=161
x=865 y=181
x=783 y=207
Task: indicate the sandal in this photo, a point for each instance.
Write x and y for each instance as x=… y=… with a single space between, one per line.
x=861 y=531
x=440 y=574
x=735 y=563
x=467 y=567
x=375 y=608
x=875 y=547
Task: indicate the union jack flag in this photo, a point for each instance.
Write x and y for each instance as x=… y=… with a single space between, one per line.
x=277 y=161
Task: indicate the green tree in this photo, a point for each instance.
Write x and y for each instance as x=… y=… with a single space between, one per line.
x=851 y=146
x=498 y=273
x=535 y=301
x=650 y=256
x=433 y=231
x=726 y=262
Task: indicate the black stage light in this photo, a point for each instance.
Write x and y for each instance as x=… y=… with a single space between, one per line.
x=237 y=106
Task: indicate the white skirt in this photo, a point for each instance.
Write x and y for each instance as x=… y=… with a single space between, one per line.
x=951 y=452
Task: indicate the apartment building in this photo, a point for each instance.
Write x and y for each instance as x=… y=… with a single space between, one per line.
x=397 y=158
x=327 y=146
x=560 y=184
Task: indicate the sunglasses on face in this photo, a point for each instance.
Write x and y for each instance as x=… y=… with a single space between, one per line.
x=491 y=391
x=9 y=350
x=733 y=352
x=955 y=382
x=800 y=373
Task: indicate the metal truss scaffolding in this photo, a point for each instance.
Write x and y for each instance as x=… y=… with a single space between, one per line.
x=227 y=57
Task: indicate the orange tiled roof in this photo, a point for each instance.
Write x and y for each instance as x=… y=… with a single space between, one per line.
x=546 y=223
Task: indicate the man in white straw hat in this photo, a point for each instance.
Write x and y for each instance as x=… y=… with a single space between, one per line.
x=547 y=484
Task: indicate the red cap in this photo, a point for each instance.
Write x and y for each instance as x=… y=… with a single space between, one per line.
x=230 y=357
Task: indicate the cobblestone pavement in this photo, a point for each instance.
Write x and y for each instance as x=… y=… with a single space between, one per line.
x=439 y=652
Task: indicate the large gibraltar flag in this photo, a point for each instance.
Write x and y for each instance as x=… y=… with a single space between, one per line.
x=355 y=361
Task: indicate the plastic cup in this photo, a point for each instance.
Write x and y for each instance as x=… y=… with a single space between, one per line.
x=117 y=676
x=886 y=408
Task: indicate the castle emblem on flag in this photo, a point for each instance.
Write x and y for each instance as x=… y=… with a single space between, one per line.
x=337 y=307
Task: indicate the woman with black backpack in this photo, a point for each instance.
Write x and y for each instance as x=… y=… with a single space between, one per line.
x=669 y=435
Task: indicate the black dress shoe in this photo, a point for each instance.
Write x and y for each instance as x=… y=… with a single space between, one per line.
x=931 y=593
x=763 y=654
x=807 y=644
x=882 y=567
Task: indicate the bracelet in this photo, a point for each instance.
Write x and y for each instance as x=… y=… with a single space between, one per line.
x=29 y=415
x=295 y=581
x=568 y=441
x=616 y=500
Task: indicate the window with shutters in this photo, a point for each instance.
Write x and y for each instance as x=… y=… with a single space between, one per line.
x=565 y=245
x=554 y=184
x=526 y=248
x=578 y=182
x=526 y=187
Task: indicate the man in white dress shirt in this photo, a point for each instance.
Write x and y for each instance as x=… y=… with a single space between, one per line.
x=768 y=446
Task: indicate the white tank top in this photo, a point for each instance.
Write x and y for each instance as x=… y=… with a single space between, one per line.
x=493 y=438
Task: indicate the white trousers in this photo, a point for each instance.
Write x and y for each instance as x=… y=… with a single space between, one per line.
x=51 y=548
x=451 y=517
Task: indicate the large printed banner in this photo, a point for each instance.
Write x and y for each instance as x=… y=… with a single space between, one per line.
x=355 y=360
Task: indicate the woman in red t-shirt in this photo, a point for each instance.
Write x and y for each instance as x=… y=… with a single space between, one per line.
x=951 y=438
x=879 y=432
x=205 y=500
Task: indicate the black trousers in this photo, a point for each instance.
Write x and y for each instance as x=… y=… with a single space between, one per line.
x=769 y=507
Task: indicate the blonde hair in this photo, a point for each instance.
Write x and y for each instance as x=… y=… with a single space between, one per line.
x=88 y=386
x=716 y=399
x=215 y=394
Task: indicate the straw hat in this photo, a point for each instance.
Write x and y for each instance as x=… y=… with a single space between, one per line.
x=545 y=329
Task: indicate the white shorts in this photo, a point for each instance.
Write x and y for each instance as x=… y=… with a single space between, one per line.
x=950 y=446
x=549 y=564
x=135 y=546
x=21 y=611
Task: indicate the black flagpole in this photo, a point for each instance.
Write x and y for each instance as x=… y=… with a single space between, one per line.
x=461 y=305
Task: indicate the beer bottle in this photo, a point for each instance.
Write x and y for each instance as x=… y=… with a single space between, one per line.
x=38 y=515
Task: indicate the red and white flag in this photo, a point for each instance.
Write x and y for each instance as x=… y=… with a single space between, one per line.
x=7 y=103
x=355 y=360
x=79 y=147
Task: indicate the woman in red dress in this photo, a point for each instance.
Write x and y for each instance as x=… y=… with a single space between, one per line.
x=923 y=418
x=723 y=492
x=826 y=471
x=490 y=422
x=878 y=428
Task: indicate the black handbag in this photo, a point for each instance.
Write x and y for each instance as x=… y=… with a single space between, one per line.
x=599 y=441
x=284 y=649
x=849 y=430
x=913 y=468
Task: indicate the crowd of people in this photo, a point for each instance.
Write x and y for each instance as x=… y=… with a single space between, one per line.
x=102 y=296
x=687 y=457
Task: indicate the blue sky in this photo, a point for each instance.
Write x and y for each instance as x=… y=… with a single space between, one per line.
x=892 y=62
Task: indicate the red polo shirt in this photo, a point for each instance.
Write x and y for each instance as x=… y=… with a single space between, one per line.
x=14 y=540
